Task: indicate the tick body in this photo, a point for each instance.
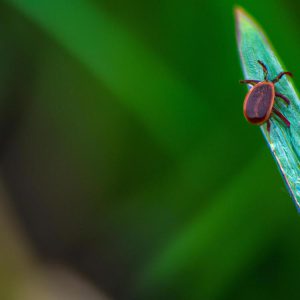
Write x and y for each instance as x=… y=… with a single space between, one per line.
x=259 y=101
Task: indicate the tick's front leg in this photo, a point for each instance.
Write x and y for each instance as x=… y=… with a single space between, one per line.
x=250 y=81
x=265 y=69
x=279 y=76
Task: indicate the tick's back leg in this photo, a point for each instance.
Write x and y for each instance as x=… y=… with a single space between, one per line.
x=268 y=126
x=284 y=98
x=282 y=117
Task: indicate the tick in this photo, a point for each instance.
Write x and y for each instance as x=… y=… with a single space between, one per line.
x=259 y=101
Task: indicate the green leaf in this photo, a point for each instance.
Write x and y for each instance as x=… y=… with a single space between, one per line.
x=211 y=252
x=283 y=142
x=167 y=107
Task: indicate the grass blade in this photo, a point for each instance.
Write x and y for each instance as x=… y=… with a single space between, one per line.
x=283 y=142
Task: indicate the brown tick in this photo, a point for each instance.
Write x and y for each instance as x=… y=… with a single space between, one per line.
x=259 y=101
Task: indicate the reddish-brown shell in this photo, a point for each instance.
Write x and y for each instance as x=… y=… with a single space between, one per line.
x=259 y=102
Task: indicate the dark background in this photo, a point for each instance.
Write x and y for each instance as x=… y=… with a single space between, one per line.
x=125 y=156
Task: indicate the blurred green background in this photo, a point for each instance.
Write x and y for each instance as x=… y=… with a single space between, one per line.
x=125 y=156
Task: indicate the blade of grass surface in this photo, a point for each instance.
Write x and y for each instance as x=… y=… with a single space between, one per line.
x=140 y=79
x=284 y=142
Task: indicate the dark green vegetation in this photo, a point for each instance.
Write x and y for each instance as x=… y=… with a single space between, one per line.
x=128 y=156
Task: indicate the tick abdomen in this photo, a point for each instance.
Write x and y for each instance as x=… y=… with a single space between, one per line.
x=259 y=103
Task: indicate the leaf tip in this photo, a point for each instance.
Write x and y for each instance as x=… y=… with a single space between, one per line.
x=241 y=14
x=244 y=21
x=240 y=17
x=238 y=10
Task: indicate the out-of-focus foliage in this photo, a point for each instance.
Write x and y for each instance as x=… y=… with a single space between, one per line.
x=126 y=154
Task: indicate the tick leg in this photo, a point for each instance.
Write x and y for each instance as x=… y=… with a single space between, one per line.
x=265 y=69
x=250 y=81
x=284 y=98
x=279 y=76
x=268 y=126
x=282 y=117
